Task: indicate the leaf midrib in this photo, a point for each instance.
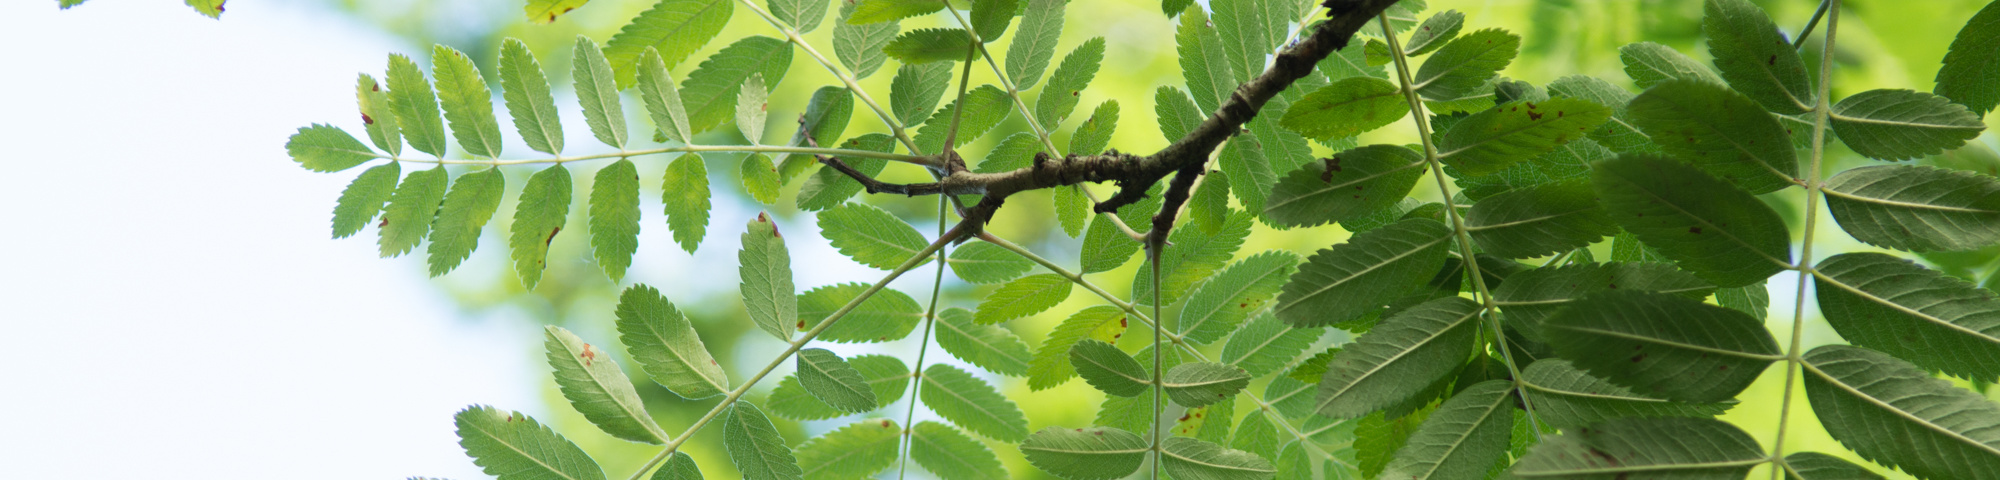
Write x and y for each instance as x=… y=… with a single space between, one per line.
x=1897 y=410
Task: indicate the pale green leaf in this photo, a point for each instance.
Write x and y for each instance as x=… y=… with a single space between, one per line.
x=711 y=90
x=1034 y=43
x=1208 y=207
x=1922 y=316
x=1246 y=30
x=981 y=262
x=666 y=346
x=327 y=148
x=544 y=12
x=597 y=91
x=1489 y=141
x=826 y=118
x=755 y=446
x=926 y=45
x=1678 y=448
x=1400 y=357
x=209 y=8
x=1012 y=153
x=1377 y=437
x=1136 y=413
x=511 y=446
x=916 y=90
x=541 y=213
x=1720 y=131
x=1434 y=32
x=407 y=218
x=684 y=192
x=1531 y=297
x=1347 y=185
x=1191 y=459
x=1820 y=466
x=1465 y=63
x=1462 y=438
x=1664 y=345
x=1709 y=227
x=885 y=316
x=526 y=89
x=870 y=235
x=802 y=15
x=1568 y=398
x=676 y=28
x=1649 y=64
x=991 y=17
x=766 y=270
x=663 y=101
x=361 y=200
x=1349 y=279
x=859 y=47
x=473 y=199
x=1072 y=209
x=1202 y=62
x=468 y=105
x=985 y=107
x=750 y=109
x=1177 y=114
x=857 y=450
x=1347 y=108
x=830 y=379
x=1225 y=299
x=969 y=402
x=679 y=467
x=1095 y=453
x=1895 y=414
x=378 y=115
x=1050 y=365
x=415 y=105
x=876 y=11
x=828 y=188
x=1971 y=72
x=1196 y=255
x=991 y=347
x=761 y=178
x=1617 y=134
x=1094 y=134
x=1060 y=96
x=597 y=387
x=1208 y=423
x=614 y=217
x=952 y=455
x=1886 y=124
x=1023 y=297
x=1201 y=383
x=1267 y=344
x=1109 y=369
x=886 y=376
x=1539 y=221
x=1257 y=434
x=1755 y=57
x=1916 y=208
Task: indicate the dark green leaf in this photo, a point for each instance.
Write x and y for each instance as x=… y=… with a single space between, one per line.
x=1719 y=130
x=1711 y=228
x=1895 y=414
x=1435 y=31
x=991 y=17
x=1489 y=141
x=1663 y=345
x=1539 y=221
x=1933 y=320
x=1678 y=448
x=1402 y=356
x=1971 y=72
x=1916 y=208
x=926 y=45
x=1347 y=280
x=1196 y=257
x=1886 y=124
x=1569 y=398
x=1820 y=466
x=1465 y=63
x=1096 y=453
x=1531 y=297
x=1109 y=369
x=1201 y=383
x=1755 y=57
x=512 y=446
x=755 y=446
x=1267 y=344
x=378 y=115
x=972 y=403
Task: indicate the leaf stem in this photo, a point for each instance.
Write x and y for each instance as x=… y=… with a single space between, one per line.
x=1798 y=43
x=923 y=345
x=1457 y=221
x=1159 y=387
x=1813 y=186
x=923 y=160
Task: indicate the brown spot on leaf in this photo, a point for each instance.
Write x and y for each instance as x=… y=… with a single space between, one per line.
x=1694 y=230
x=552 y=236
x=367 y=120
x=1638 y=358
x=802 y=324
x=1532 y=116
x=588 y=355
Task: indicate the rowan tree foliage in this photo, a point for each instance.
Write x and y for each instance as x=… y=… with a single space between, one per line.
x=1487 y=339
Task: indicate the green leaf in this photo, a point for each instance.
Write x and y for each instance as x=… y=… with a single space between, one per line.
x=750 y=105
x=1078 y=68
x=1618 y=134
x=1072 y=209
x=415 y=106
x=1568 y=398
x=761 y=178
x=1177 y=114
x=597 y=387
x=666 y=346
x=1971 y=72
x=1226 y=299
x=1721 y=131
x=1922 y=316
x=1895 y=414
x=1886 y=124
x=378 y=116
x=1377 y=438
x=766 y=270
x=990 y=347
x=1203 y=66
x=1095 y=453
x=916 y=90
x=1208 y=208
x=526 y=89
x=1349 y=279
x=1403 y=355
x=1246 y=30
x=544 y=12
x=887 y=377
x=663 y=102
x=1201 y=383
x=1681 y=448
x=1465 y=63
x=1209 y=423
x=802 y=15
x=209 y=8
x=326 y=148
x=1709 y=227
x=1291 y=397
x=1109 y=369
x=826 y=118
x=832 y=380
x=473 y=199
x=711 y=90
x=676 y=28
x=597 y=91
x=1661 y=344
x=1035 y=42
x=985 y=107
x=543 y=210
x=1435 y=31
x=1267 y=344
x=981 y=262
x=1050 y=366
x=857 y=450
x=1820 y=466
x=1489 y=141
x=685 y=195
x=1917 y=208
x=512 y=446
x=362 y=199
x=755 y=446
x=1347 y=108
x=859 y=47
x=1531 y=297
x=1023 y=297
x=870 y=235
x=1755 y=57
x=1754 y=299
x=1650 y=64
x=876 y=11
x=1345 y=186
x=1257 y=434
x=991 y=17
x=888 y=315
x=614 y=217
x=1094 y=134
x=411 y=209
x=1196 y=257
x=926 y=45
x=1462 y=438
x=1191 y=459
x=1539 y=221
x=951 y=455
x=1135 y=413
x=972 y=403
x=828 y=188
x=1349 y=62
x=468 y=105
x=1013 y=153
x=679 y=467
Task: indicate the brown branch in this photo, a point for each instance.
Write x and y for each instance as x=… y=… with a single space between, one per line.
x=1186 y=158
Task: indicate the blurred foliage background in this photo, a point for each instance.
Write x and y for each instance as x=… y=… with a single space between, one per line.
x=1882 y=44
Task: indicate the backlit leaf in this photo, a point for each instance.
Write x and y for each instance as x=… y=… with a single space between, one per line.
x=663 y=101
x=415 y=105
x=1403 y=355
x=362 y=199
x=876 y=11
x=511 y=446
x=857 y=450
x=1650 y=64
x=711 y=89
x=685 y=194
x=870 y=235
x=1202 y=383
x=1060 y=96
x=326 y=148
x=926 y=45
x=859 y=47
x=1023 y=297
x=1441 y=27
x=541 y=213
x=981 y=262
x=802 y=15
x=1347 y=108
x=378 y=114
x=1267 y=344
x=828 y=187
x=888 y=315
x=407 y=218
x=1226 y=299
x=473 y=199
x=1465 y=63
x=830 y=379
x=1034 y=43
x=597 y=91
x=526 y=89
x=1094 y=134
x=597 y=387
x=991 y=347
x=969 y=402
x=1109 y=369
x=468 y=105
x=750 y=109
x=952 y=455
x=666 y=346
x=1050 y=365
x=1196 y=257
x=676 y=28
